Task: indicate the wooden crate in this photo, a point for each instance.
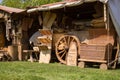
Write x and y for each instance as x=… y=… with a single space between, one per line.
x=95 y=52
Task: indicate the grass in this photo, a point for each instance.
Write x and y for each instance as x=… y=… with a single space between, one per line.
x=53 y=71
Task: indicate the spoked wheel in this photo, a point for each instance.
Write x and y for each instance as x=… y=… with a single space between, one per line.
x=62 y=47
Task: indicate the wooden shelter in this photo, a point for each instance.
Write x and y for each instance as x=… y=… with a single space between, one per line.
x=83 y=32
x=10 y=35
x=77 y=31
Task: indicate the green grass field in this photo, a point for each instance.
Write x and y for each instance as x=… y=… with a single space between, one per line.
x=53 y=71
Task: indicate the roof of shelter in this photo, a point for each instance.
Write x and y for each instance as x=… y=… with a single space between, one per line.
x=63 y=4
x=10 y=9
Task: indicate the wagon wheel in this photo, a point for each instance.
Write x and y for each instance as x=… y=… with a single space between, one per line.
x=103 y=66
x=81 y=64
x=62 y=47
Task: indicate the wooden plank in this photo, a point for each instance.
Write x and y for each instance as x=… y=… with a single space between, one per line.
x=29 y=51
x=90 y=60
x=72 y=55
x=44 y=40
x=45 y=31
x=100 y=36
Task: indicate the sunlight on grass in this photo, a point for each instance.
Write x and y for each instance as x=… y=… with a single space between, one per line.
x=53 y=71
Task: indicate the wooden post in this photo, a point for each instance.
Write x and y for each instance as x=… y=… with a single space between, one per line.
x=117 y=54
x=20 y=52
x=51 y=20
x=45 y=46
x=48 y=20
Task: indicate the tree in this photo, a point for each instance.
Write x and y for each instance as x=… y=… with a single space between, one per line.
x=26 y=3
x=12 y=3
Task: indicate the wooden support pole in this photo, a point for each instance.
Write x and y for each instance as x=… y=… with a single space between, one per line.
x=48 y=19
x=116 y=56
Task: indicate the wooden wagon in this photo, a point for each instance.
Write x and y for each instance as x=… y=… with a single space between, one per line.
x=97 y=48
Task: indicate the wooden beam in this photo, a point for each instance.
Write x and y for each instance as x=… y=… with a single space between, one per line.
x=90 y=60
x=51 y=20
x=48 y=19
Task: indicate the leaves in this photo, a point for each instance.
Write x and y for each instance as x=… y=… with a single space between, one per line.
x=12 y=3
x=26 y=3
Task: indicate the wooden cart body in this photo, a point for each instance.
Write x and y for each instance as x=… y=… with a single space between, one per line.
x=99 y=45
x=95 y=53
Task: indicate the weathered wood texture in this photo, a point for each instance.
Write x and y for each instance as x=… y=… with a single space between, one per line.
x=45 y=45
x=48 y=19
x=72 y=54
x=95 y=52
x=99 y=46
x=13 y=51
x=101 y=36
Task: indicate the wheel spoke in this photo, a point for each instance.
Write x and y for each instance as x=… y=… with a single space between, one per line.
x=61 y=51
x=72 y=39
x=65 y=40
x=63 y=55
x=68 y=41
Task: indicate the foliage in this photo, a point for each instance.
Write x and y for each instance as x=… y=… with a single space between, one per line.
x=11 y=3
x=53 y=71
x=26 y=3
